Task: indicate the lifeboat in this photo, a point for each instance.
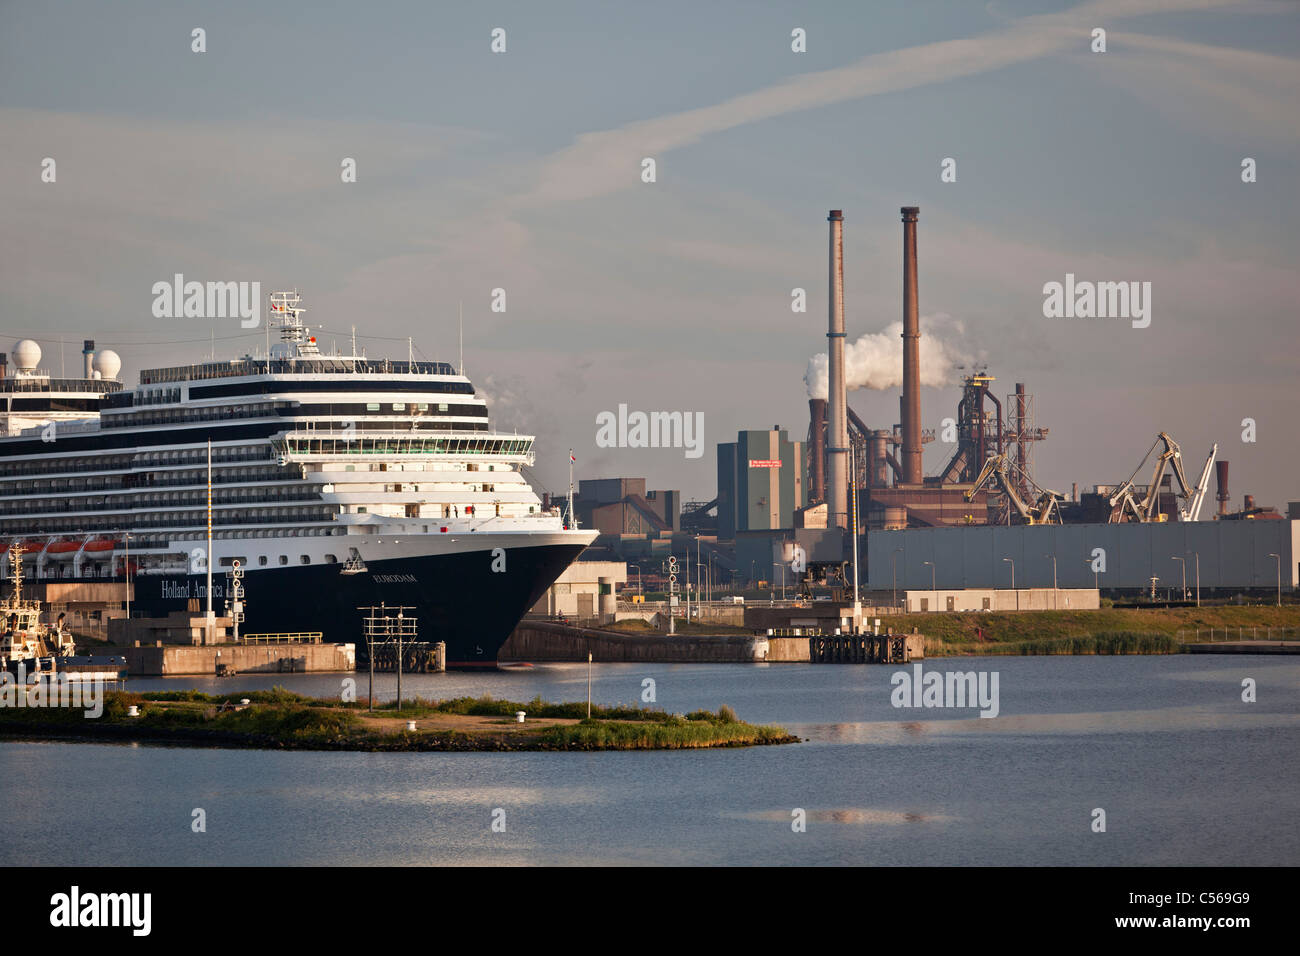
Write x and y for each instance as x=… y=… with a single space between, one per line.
x=102 y=544
x=63 y=547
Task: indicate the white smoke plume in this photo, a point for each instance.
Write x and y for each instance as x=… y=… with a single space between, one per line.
x=876 y=359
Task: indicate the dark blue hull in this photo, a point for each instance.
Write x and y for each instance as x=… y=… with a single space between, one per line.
x=457 y=598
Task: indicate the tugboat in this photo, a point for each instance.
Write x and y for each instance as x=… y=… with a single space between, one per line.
x=37 y=651
x=23 y=638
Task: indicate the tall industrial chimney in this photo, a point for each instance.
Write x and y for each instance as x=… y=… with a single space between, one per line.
x=88 y=358
x=817 y=453
x=837 y=463
x=1221 y=473
x=913 y=473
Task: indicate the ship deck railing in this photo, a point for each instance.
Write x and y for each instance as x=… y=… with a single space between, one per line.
x=286 y=637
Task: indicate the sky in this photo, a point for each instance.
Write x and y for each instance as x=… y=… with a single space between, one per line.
x=522 y=170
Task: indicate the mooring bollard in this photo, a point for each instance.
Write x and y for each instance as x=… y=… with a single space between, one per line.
x=410 y=725
x=133 y=711
x=519 y=716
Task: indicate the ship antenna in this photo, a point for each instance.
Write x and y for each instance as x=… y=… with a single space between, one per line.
x=461 y=314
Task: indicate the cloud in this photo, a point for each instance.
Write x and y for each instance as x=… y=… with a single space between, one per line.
x=1229 y=91
x=603 y=162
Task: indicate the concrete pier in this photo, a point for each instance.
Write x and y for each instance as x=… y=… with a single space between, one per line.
x=170 y=660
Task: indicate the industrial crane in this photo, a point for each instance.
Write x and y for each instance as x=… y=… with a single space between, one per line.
x=1131 y=508
x=1044 y=510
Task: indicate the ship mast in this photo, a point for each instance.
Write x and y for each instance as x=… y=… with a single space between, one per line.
x=568 y=521
x=211 y=621
x=16 y=562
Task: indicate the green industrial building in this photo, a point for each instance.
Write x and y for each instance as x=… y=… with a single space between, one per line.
x=760 y=482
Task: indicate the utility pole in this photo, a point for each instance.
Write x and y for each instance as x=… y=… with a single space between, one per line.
x=1182 y=562
x=1278 y=559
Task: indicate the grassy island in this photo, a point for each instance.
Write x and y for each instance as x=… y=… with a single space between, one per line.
x=280 y=720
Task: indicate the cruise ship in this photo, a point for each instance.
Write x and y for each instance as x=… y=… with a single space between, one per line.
x=334 y=482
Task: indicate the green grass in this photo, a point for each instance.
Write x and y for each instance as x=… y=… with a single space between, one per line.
x=1111 y=642
x=1049 y=631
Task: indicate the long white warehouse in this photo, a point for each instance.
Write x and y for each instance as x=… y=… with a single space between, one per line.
x=1231 y=554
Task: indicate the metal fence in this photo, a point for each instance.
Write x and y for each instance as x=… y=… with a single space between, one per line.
x=288 y=637
x=1202 y=635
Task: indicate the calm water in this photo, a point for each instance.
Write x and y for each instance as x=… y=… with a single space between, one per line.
x=1186 y=772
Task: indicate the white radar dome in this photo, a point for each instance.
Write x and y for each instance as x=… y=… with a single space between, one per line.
x=108 y=363
x=27 y=355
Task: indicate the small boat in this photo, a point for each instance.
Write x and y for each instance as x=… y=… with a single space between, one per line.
x=23 y=637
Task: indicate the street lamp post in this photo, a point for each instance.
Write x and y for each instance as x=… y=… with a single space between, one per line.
x=1183 y=563
x=893 y=570
x=1056 y=597
x=933 y=595
x=1198 y=577
x=1013 y=580
x=699 y=578
x=1278 y=559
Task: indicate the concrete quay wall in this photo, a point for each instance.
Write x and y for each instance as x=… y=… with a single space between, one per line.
x=175 y=660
